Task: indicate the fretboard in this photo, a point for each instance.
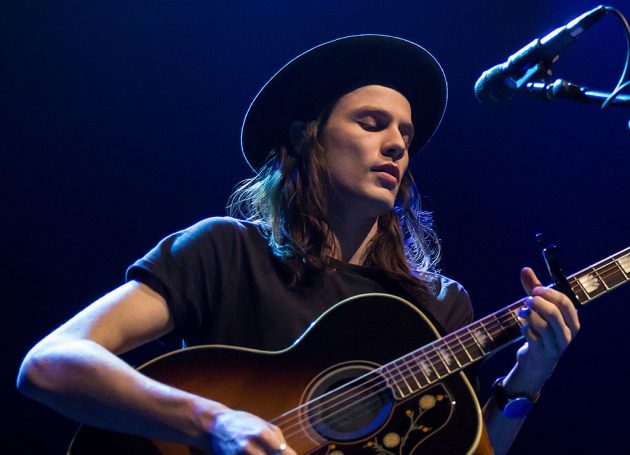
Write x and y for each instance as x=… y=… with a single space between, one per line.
x=457 y=350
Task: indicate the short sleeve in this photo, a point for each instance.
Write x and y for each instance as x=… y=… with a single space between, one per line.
x=184 y=268
x=451 y=305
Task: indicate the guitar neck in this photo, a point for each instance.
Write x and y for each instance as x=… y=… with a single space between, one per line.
x=601 y=278
x=469 y=344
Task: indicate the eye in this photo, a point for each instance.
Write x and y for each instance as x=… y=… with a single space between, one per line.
x=369 y=123
x=407 y=135
x=368 y=126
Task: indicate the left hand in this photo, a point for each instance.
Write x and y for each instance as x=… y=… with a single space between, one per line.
x=551 y=323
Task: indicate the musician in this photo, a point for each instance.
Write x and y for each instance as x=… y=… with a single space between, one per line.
x=331 y=212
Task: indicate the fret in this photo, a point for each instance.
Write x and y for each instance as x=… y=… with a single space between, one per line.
x=500 y=326
x=437 y=363
x=391 y=380
x=444 y=356
x=601 y=279
x=481 y=338
x=447 y=344
x=591 y=283
x=623 y=262
x=428 y=369
x=510 y=329
x=420 y=369
x=464 y=350
x=623 y=272
x=473 y=348
x=407 y=366
x=614 y=275
x=515 y=317
x=413 y=375
x=413 y=372
x=402 y=376
x=587 y=297
x=483 y=326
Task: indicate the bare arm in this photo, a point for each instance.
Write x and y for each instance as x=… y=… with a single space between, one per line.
x=75 y=370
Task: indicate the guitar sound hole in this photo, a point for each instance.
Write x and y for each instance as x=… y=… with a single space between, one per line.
x=348 y=410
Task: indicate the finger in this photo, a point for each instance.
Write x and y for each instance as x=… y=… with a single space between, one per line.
x=253 y=449
x=564 y=304
x=533 y=327
x=532 y=286
x=278 y=432
x=287 y=450
x=547 y=320
x=529 y=280
x=272 y=440
x=534 y=340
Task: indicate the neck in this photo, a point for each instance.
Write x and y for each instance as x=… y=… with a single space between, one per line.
x=351 y=238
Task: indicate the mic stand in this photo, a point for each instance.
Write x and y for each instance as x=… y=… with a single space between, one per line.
x=561 y=89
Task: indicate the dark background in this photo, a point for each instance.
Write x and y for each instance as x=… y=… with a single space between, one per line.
x=120 y=123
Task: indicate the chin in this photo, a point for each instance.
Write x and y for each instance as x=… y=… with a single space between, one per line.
x=380 y=206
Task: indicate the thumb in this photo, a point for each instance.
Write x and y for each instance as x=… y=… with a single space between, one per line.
x=529 y=280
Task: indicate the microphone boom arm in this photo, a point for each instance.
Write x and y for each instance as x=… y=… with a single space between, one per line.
x=561 y=89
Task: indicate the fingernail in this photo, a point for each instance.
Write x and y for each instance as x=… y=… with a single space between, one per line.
x=523 y=311
x=528 y=302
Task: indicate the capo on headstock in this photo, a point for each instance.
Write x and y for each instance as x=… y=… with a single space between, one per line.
x=553 y=266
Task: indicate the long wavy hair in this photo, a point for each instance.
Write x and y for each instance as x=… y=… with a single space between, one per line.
x=288 y=197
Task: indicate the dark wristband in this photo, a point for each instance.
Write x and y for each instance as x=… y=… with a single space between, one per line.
x=515 y=407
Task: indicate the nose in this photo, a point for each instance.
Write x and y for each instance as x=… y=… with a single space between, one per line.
x=395 y=145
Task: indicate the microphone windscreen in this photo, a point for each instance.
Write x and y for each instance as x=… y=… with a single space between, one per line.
x=494 y=88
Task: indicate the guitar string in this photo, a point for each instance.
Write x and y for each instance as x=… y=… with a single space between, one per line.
x=610 y=266
x=336 y=413
x=379 y=380
x=362 y=391
x=400 y=375
x=445 y=344
x=601 y=274
x=406 y=363
x=431 y=354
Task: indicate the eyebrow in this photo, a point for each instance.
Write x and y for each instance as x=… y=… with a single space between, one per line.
x=377 y=110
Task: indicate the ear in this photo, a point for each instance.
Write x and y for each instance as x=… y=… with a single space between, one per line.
x=296 y=134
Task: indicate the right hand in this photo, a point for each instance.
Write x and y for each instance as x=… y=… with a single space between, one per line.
x=238 y=432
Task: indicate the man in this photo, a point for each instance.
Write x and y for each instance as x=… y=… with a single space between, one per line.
x=331 y=212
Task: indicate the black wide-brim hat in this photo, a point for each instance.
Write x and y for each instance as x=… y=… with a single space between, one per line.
x=312 y=80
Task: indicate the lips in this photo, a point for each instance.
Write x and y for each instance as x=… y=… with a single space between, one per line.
x=390 y=169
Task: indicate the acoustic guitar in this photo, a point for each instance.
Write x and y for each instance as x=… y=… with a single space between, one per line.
x=355 y=382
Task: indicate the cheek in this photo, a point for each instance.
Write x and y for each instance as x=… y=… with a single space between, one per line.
x=344 y=153
x=403 y=163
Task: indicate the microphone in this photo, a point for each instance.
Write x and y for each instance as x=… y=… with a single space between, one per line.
x=501 y=82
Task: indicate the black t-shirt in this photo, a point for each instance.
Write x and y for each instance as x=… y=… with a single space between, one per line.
x=224 y=285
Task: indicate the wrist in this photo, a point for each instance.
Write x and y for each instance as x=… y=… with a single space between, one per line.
x=204 y=415
x=512 y=405
x=523 y=381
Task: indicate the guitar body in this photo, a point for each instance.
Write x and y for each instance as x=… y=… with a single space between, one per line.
x=322 y=391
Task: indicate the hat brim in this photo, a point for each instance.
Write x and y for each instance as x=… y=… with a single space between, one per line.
x=315 y=77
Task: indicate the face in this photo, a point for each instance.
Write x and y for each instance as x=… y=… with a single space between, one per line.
x=366 y=139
